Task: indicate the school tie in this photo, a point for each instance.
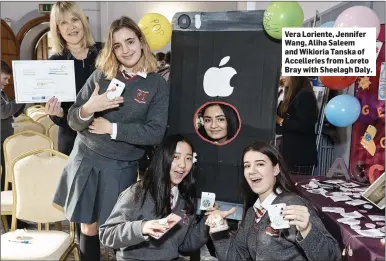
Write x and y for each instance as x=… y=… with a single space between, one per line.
x=171 y=200
x=259 y=213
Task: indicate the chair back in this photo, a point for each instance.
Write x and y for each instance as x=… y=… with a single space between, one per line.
x=28 y=125
x=19 y=144
x=35 y=179
x=53 y=133
x=22 y=117
x=33 y=108
x=45 y=120
x=36 y=114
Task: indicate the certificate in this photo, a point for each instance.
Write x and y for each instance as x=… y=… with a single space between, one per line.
x=38 y=81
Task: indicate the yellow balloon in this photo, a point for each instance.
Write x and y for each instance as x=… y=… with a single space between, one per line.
x=157 y=30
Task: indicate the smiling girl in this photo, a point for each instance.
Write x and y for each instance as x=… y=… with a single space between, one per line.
x=266 y=183
x=112 y=133
x=168 y=186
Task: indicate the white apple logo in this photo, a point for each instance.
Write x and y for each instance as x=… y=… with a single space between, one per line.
x=217 y=80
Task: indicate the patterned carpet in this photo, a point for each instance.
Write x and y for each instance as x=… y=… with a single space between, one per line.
x=204 y=253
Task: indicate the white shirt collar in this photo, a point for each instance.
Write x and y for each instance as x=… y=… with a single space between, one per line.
x=175 y=193
x=267 y=201
x=142 y=74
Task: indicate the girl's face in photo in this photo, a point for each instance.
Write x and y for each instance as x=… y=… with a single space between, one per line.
x=259 y=173
x=127 y=47
x=182 y=163
x=215 y=123
x=71 y=28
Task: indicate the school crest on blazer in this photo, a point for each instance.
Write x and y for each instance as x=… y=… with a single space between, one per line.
x=141 y=96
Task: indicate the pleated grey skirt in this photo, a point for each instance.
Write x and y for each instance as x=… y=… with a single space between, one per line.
x=91 y=183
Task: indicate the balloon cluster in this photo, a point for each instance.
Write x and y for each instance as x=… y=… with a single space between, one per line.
x=342 y=110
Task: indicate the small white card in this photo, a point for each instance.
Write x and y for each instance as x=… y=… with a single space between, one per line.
x=277 y=219
x=349 y=221
x=340 y=198
x=349 y=185
x=333 y=210
x=376 y=218
x=207 y=200
x=370 y=233
x=354 y=214
x=356 y=202
x=334 y=181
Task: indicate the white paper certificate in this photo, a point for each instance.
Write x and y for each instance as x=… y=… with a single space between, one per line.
x=38 y=81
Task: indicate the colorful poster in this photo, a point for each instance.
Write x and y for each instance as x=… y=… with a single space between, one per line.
x=379 y=47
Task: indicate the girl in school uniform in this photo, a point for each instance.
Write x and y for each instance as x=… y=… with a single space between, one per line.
x=266 y=183
x=167 y=187
x=112 y=132
x=72 y=40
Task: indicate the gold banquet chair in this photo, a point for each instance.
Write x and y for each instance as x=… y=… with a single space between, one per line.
x=53 y=133
x=15 y=146
x=33 y=108
x=22 y=117
x=28 y=125
x=45 y=120
x=35 y=178
x=37 y=114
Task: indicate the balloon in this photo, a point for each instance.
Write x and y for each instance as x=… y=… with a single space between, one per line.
x=343 y=110
x=359 y=16
x=157 y=30
x=328 y=24
x=369 y=113
x=282 y=14
x=337 y=82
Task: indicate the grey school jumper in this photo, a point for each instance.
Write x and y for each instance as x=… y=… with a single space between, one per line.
x=122 y=230
x=253 y=243
x=142 y=118
x=99 y=167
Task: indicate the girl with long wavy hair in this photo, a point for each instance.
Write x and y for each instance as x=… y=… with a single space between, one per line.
x=112 y=132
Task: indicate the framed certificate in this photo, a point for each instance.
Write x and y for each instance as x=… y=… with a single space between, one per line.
x=38 y=81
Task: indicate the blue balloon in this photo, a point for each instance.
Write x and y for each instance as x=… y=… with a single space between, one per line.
x=343 y=110
x=328 y=24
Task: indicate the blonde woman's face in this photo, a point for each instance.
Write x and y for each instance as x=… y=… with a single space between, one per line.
x=127 y=47
x=71 y=28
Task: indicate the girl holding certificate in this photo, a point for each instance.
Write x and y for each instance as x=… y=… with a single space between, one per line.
x=278 y=224
x=72 y=40
x=155 y=219
x=122 y=108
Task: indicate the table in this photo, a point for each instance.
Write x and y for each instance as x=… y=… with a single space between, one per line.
x=363 y=248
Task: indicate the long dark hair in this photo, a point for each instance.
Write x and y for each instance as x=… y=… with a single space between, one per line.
x=294 y=85
x=156 y=180
x=283 y=180
x=230 y=116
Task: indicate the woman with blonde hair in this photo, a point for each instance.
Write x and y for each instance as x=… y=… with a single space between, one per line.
x=72 y=40
x=112 y=131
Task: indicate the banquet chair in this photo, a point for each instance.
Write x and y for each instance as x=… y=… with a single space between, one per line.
x=35 y=178
x=36 y=114
x=33 y=108
x=53 y=133
x=22 y=117
x=24 y=125
x=13 y=147
x=44 y=120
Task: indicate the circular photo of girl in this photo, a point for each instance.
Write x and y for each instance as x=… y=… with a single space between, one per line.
x=217 y=122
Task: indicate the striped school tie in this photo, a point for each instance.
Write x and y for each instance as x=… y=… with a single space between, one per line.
x=259 y=214
x=171 y=200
